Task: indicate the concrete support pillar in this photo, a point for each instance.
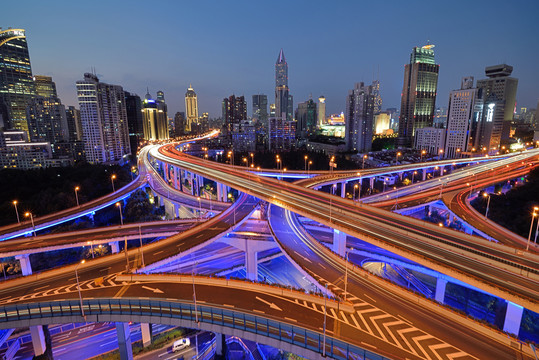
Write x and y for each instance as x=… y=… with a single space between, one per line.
x=251 y=264
x=400 y=175
x=175 y=177
x=200 y=183
x=513 y=317
x=26 y=267
x=38 y=339
x=339 y=242
x=192 y=182
x=424 y=174
x=371 y=183
x=114 y=247
x=440 y=290
x=220 y=191
x=124 y=341
x=146 y=330
x=219 y=344
x=442 y=170
x=176 y=211
x=166 y=173
x=343 y=189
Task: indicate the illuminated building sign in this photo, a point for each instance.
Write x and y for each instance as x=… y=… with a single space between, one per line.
x=490 y=112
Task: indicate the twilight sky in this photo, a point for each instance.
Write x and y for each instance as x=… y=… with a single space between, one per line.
x=230 y=47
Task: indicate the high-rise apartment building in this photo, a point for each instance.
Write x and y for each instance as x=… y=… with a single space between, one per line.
x=281 y=134
x=359 y=118
x=284 y=106
x=499 y=95
x=74 y=125
x=260 y=109
x=377 y=97
x=306 y=119
x=104 y=120
x=179 y=123
x=154 y=117
x=191 y=108
x=17 y=86
x=465 y=109
x=234 y=112
x=418 y=93
x=321 y=111
x=133 y=108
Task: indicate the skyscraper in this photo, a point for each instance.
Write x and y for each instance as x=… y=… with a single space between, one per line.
x=260 y=109
x=74 y=125
x=104 y=120
x=418 y=93
x=191 y=108
x=283 y=100
x=154 y=118
x=465 y=108
x=306 y=119
x=321 y=110
x=17 y=87
x=234 y=112
x=377 y=97
x=499 y=94
x=359 y=118
x=179 y=123
x=133 y=108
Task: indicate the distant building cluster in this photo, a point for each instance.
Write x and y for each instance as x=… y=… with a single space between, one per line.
x=111 y=124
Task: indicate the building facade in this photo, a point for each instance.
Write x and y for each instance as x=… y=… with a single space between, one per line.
x=234 y=111
x=284 y=104
x=430 y=139
x=321 y=111
x=306 y=119
x=359 y=118
x=418 y=94
x=17 y=87
x=281 y=134
x=191 y=108
x=154 y=118
x=104 y=120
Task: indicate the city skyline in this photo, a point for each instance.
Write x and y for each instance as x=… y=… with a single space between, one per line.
x=317 y=66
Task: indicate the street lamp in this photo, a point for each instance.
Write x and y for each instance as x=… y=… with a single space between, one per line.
x=458 y=153
x=363 y=162
x=140 y=238
x=246 y=162
x=199 y=208
x=119 y=206
x=423 y=152
x=305 y=157
x=397 y=157
x=488 y=203
x=15 y=202
x=29 y=214
x=356 y=186
x=252 y=155
x=309 y=166
x=440 y=152
x=112 y=181
x=78 y=287
x=230 y=197
x=413 y=176
x=346 y=273
x=531 y=227
x=77 y=195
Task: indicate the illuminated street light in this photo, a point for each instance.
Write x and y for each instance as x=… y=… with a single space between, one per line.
x=423 y=152
x=112 y=181
x=15 y=202
x=29 y=214
x=397 y=158
x=119 y=206
x=363 y=162
x=531 y=227
x=77 y=195
x=78 y=287
x=309 y=166
x=346 y=273
x=305 y=157
x=488 y=203
x=199 y=209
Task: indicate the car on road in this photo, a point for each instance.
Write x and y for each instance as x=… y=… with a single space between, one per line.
x=181 y=344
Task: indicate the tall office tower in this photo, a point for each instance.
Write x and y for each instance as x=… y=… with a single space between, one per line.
x=536 y=124
x=17 y=87
x=465 y=108
x=234 y=111
x=260 y=109
x=74 y=125
x=306 y=119
x=418 y=93
x=154 y=118
x=104 y=120
x=272 y=110
x=281 y=134
x=359 y=118
x=377 y=97
x=133 y=108
x=499 y=94
x=46 y=116
x=283 y=100
x=179 y=124
x=191 y=108
x=321 y=110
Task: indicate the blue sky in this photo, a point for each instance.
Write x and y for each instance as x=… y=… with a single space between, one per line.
x=230 y=47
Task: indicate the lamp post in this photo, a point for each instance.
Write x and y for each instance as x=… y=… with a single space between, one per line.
x=423 y=152
x=230 y=197
x=488 y=203
x=15 y=202
x=140 y=238
x=413 y=176
x=325 y=316
x=330 y=200
x=112 y=181
x=199 y=208
x=309 y=166
x=77 y=194
x=531 y=227
x=458 y=153
x=29 y=214
x=252 y=155
x=397 y=157
x=246 y=161
x=346 y=274
x=440 y=152
x=305 y=158
x=209 y=196
x=363 y=162
x=356 y=186
x=119 y=205
x=78 y=287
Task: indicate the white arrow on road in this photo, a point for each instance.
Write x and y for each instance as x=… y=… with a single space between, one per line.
x=271 y=305
x=156 y=290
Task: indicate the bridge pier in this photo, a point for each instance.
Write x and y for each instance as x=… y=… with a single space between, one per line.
x=442 y=170
x=339 y=242
x=38 y=340
x=440 y=290
x=146 y=330
x=220 y=344
x=251 y=249
x=400 y=175
x=124 y=341
x=371 y=183
x=114 y=247
x=343 y=189
x=424 y=174
x=513 y=318
x=26 y=266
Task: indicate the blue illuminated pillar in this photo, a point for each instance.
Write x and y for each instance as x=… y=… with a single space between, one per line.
x=26 y=267
x=114 y=247
x=343 y=189
x=424 y=174
x=146 y=330
x=440 y=290
x=513 y=318
x=124 y=341
x=38 y=340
